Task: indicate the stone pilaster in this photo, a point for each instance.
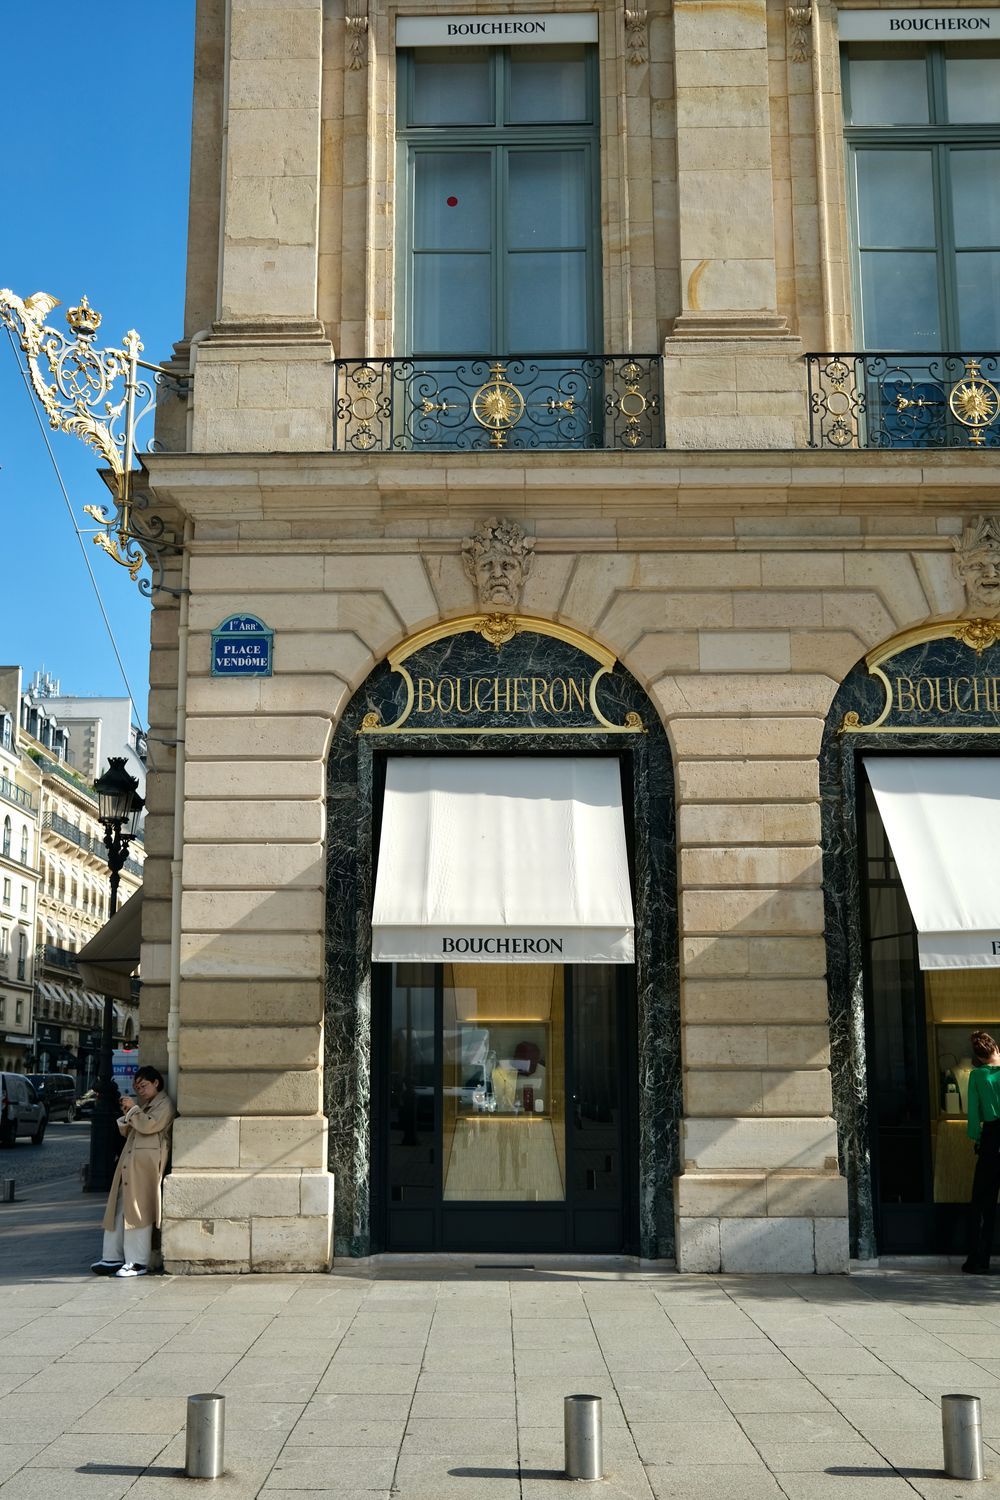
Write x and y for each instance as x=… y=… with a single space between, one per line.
x=263 y=380
x=728 y=278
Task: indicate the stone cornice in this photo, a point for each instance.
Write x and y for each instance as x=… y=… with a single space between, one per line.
x=330 y=486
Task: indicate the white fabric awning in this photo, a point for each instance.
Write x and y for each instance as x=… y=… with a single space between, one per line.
x=112 y=954
x=503 y=859
x=942 y=819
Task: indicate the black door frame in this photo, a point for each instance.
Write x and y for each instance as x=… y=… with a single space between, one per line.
x=489 y=1225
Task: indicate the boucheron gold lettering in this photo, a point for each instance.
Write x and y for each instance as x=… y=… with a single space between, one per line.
x=456 y=696
x=934 y=696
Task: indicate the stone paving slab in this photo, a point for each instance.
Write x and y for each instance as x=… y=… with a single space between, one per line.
x=431 y=1380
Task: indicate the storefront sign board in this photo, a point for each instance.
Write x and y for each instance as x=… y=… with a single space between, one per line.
x=501 y=674
x=495 y=31
x=913 y=24
x=941 y=679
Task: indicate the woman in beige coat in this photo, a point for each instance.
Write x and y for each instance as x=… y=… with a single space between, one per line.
x=133 y=1209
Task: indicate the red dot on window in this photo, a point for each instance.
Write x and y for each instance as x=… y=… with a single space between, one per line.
x=452 y=202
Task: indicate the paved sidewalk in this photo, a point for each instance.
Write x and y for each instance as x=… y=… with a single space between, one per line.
x=446 y=1383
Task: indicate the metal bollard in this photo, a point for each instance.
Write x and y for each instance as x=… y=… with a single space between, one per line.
x=584 y=1441
x=962 y=1430
x=7 y=1189
x=206 y=1437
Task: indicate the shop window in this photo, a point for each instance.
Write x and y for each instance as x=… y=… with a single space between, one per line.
x=923 y=144
x=500 y=150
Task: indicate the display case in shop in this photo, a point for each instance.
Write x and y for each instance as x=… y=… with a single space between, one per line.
x=504 y=1082
x=959 y=1001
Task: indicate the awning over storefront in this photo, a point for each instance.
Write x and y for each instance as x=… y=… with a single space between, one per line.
x=942 y=819
x=108 y=960
x=503 y=859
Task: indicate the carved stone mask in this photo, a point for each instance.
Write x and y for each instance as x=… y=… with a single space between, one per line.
x=497 y=559
x=978 y=563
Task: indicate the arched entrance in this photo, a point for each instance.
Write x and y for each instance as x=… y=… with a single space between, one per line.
x=920 y=717
x=433 y=1052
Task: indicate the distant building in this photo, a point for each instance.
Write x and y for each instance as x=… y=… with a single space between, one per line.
x=67 y=883
x=20 y=810
x=94 y=729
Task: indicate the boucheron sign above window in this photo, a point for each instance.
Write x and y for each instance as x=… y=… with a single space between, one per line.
x=918 y=25
x=494 y=31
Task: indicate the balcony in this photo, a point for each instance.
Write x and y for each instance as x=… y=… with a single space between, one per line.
x=73 y=834
x=903 y=400
x=474 y=403
x=59 y=958
x=15 y=795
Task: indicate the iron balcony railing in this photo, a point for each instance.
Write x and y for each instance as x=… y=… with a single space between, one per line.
x=903 y=400
x=475 y=402
x=16 y=795
x=85 y=841
x=59 y=958
x=72 y=833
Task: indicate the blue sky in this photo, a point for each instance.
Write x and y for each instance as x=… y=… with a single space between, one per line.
x=95 y=116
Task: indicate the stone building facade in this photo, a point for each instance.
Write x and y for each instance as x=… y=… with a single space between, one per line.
x=739 y=524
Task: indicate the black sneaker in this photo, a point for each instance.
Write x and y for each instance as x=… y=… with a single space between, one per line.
x=106 y=1267
x=975 y=1268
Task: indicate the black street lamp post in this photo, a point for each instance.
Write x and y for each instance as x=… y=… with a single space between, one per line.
x=119 y=808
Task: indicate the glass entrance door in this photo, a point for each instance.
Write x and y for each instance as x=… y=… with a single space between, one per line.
x=501 y=1111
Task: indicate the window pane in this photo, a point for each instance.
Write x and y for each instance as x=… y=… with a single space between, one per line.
x=412 y=1132
x=504 y=1084
x=888 y=90
x=547 y=207
x=548 y=83
x=452 y=200
x=451 y=304
x=975 y=197
x=451 y=86
x=895 y=199
x=547 y=303
x=973 y=83
x=977 y=280
x=899 y=301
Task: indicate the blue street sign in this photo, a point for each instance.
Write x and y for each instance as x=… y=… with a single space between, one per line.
x=241 y=647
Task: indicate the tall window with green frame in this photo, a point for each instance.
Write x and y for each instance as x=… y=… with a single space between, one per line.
x=499 y=154
x=922 y=123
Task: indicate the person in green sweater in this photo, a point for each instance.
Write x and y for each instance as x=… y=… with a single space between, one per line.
x=984 y=1129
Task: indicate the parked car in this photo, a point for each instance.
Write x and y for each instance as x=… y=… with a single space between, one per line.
x=57 y=1092
x=21 y=1111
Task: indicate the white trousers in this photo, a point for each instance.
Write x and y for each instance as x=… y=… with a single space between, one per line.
x=130 y=1245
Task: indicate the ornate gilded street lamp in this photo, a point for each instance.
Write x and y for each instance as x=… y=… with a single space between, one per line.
x=118 y=808
x=101 y=396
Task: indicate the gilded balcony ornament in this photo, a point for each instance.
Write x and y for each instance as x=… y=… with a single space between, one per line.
x=498 y=406
x=974 y=402
x=100 y=397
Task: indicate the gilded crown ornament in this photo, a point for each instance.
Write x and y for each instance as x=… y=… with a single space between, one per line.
x=84 y=321
x=100 y=396
x=977 y=562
